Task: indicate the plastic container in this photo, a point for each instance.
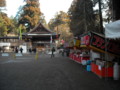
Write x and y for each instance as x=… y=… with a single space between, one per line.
x=88 y=62
x=88 y=68
x=84 y=62
x=116 y=71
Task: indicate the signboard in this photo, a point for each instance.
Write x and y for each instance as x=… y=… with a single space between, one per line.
x=99 y=42
x=110 y=46
x=85 y=40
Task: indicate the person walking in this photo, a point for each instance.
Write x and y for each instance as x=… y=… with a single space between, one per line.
x=52 y=54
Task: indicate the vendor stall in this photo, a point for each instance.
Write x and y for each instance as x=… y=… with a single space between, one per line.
x=75 y=53
x=96 y=44
x=95 y=47
x=112 y=32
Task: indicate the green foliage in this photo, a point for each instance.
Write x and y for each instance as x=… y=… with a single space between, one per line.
x=113 y=12
x=60 y=24
x=5 y=24
x=16 y=27
x=59 y=19
x=102 y=7
x=31 y=14
x=81 y=16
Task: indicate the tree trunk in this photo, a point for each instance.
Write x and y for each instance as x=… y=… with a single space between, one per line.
x=100 y=15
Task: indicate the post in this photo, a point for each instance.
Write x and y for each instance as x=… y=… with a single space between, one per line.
x=51 y=41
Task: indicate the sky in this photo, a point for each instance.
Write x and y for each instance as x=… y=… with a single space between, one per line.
x=48 y=7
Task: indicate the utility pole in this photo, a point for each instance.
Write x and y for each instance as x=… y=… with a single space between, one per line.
x=100 y=15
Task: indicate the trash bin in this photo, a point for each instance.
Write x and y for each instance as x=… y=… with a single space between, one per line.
x=116 y=71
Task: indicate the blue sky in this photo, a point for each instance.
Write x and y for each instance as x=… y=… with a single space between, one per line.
x=48 y=7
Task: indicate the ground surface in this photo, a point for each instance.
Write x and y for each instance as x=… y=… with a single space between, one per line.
x=58 y=73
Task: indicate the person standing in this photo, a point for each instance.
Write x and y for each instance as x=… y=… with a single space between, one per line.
x=30 y=50
x=35 y=50
x=52 y=54
x=67 y=52
x=16 y=50
x=63 y=52
x=21 y=50
x=0 y=49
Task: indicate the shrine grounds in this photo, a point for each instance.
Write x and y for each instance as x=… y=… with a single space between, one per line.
x=31 y=72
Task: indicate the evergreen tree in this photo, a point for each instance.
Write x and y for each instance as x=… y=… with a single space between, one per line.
x=60 y=24
x=5 y=24
x=31 y=14
x=100 y=19
x=82 y=16
x=113 y=12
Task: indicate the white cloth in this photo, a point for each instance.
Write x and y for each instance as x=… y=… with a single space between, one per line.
x=112 y=30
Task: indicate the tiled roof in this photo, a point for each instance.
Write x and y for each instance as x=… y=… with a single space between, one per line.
x=40 y=29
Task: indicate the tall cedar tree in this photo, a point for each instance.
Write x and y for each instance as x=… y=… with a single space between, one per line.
x=82 y=16
x=31 y=14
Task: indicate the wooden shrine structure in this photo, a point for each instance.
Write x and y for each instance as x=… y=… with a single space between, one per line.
x=40 y=37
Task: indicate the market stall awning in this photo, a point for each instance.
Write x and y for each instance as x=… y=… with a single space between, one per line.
x=112 y=30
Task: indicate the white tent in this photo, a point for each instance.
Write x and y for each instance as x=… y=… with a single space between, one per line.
x=112 y=30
